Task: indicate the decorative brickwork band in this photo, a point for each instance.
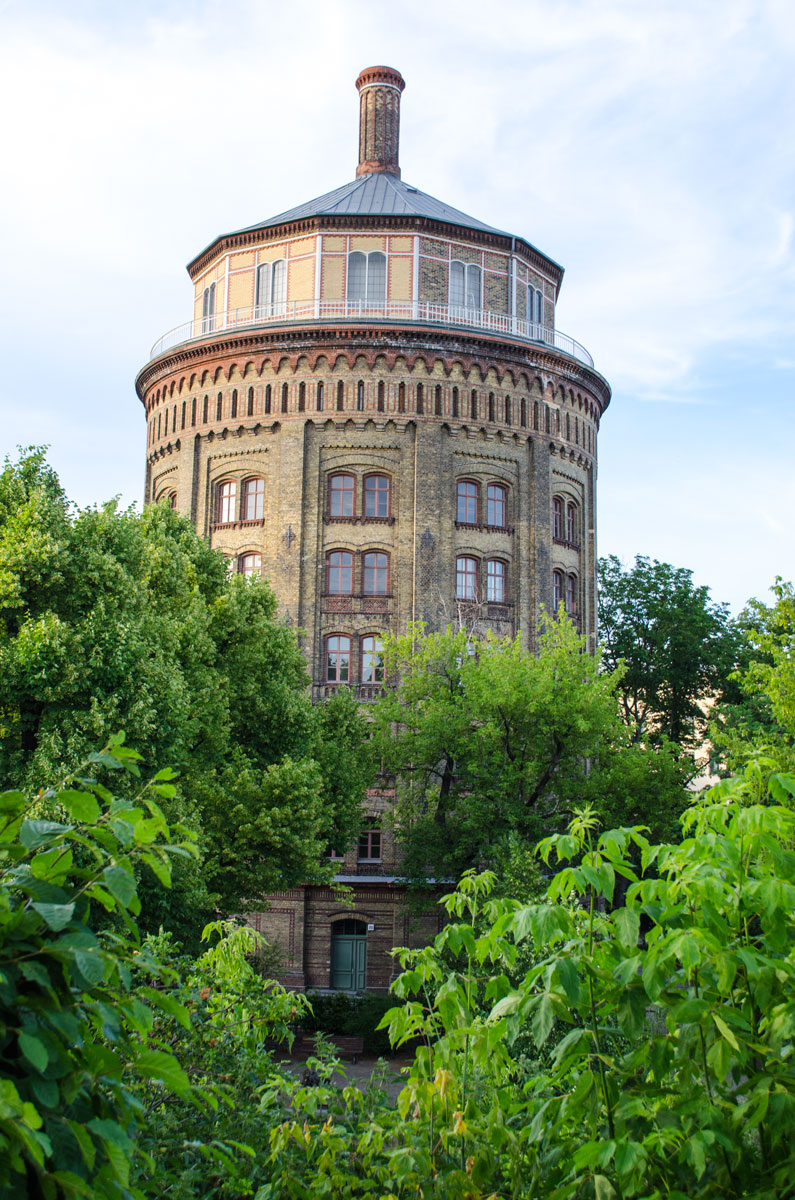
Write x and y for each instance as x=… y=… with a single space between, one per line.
x=379 y=120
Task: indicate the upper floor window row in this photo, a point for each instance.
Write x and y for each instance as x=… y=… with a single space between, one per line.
x=564 y=591
x=252 y=500
x=470 y=509
x=271 y=287
x=342 y=500
x=565 y=521
x=469 y=581
x=366 y=276
x=535 y=307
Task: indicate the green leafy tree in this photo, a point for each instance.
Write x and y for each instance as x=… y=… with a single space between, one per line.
x=677 y=647
x=488 y=741
x=117 y=620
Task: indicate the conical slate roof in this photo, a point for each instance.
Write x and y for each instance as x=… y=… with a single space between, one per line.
x=377 y=195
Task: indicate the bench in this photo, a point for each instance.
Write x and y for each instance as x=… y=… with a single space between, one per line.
x=346 y=1046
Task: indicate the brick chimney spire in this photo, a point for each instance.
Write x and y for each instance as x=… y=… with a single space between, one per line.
x=379 y=120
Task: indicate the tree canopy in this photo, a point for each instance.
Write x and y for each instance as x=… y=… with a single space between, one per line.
x=676 y=645
x=115 y=620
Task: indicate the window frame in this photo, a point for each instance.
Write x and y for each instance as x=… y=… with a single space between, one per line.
x=249 y=573
x=494 y=576
x=377 y=571
x=337 y=650
x=369 y=277
x=462 y=501
x=465 y=271
x=331 y=492
x=558 y=589
x=248 y=488
x=373 y=842
x=493 y=503
x=339 y=569
x=369 y=492
x=372 y=654
x=467 y=575
x=558 y=518
x=226 y=502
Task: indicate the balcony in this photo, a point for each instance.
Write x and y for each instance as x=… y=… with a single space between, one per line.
x=381 y=312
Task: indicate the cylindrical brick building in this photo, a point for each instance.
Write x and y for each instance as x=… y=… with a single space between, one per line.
x=373 y=408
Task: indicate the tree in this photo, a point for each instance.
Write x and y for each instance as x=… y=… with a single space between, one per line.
x=117 y=620
x=677 y=647
x=488 y=741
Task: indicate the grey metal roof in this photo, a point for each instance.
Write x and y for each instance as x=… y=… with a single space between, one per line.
x=377 y=194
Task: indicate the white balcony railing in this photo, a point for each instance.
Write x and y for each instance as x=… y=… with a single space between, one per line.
x=368 y=310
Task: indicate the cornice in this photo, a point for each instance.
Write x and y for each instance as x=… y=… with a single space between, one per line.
x=395 y=340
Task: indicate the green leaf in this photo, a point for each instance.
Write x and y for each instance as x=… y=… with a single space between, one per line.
x=91 y=966
x=34 y=1050
x=57 y=916
x=603 y=1188
x=160 y=866
x=84 y=1142
x=567 y=973
x=508 y=1004
x=82 y=806
x=163 y=1067
x=543 y=1020
x=12 y=802
x=46 y=1092
x=120 y=883
x=725 y=1031
x=36 y=833
x=627 y=926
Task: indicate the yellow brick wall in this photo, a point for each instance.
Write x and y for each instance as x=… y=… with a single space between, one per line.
x=401 y=245
x=300 y=248
x=400 y=274
x=301 y=279
x=241 y=290
x=367 y=243
x=333 y=277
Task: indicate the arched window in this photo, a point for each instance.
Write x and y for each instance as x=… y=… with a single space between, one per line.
x=253 y=499
x=172 y=500
x=226 y=498
x=381 y=391
x=535 y=414
x=496 y=574
x=375 y=574
x=250 y=564
x=360 y=396
x=369 y=848
x=366 y=277
x=219 y=400
x=571 y=524
x=301 y=396
x=372 y=661
x=455 y=401
x=523 y=413
x=250 y=402
x=376 y=496
x=496 y=505
x=193 y=411
x=557 y=519
x=338 y=659
x=473 y=402
x=420 y=398
x=339 y=573
x=285 y=393
x=571 y=595
x=268 y=393
x=174 y=419
x=271 y=288
x=467 y=502
x=437 y=400
x=159 y=415
x=465 y=283
x=319 y=397
x=557 y=589
x=341 y=495
x=208 y=309
x=184 y=407
x=401 y=397
x=507 y=410
x=340 y=396
x=233 y=409
x=466 y=578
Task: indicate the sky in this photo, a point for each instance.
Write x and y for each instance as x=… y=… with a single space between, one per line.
x=649 y=147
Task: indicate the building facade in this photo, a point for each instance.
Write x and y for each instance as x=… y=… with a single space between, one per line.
x=373 y=408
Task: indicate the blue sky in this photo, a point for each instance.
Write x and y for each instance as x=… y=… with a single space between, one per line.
x=648 y=147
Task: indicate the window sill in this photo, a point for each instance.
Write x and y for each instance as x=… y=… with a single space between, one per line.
x=357 y=520
x=565 y=542
x=236 y=524
x=477 y=525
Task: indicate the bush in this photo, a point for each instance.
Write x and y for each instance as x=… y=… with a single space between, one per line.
x=351 y=1015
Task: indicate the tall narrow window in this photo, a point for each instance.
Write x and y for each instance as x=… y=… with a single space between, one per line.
x=341 y=492
x=366 y=277
x=557 y=519
x=571 y=595
x=401 y=397
x=420 y=398
x=496 y=504
x=360 y=396
x=372 y=661
x=219 y=400
x=507 y=410
x=183 y=414
x=301 y=396
x=495 y=580
x=174 y=419
x=208 y=309
x=535 y=414
x=523 y=415
x=375 y=574
x=465 y=285
x=226 y=498
x=338 y=659
x=268 y=392
x=250 y=564
x=319 y=397
x=172 y=500
x=369 y=848
x=250 y=411
x=466 y=578
x=455 y=401
x=339 y=569
x=381 y=391
x=571 y=523
x=539 y=308
x=193 y=411
x=340 y=396
x=376 y=496
x=159 y=435
x=473 y=405
x=233 y=409
x=557 y=589
x=285 y=393
x=437 y=400
x=467 y=502
x=253 y=499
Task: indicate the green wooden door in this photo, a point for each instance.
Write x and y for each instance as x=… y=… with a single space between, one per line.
x=349 y=955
